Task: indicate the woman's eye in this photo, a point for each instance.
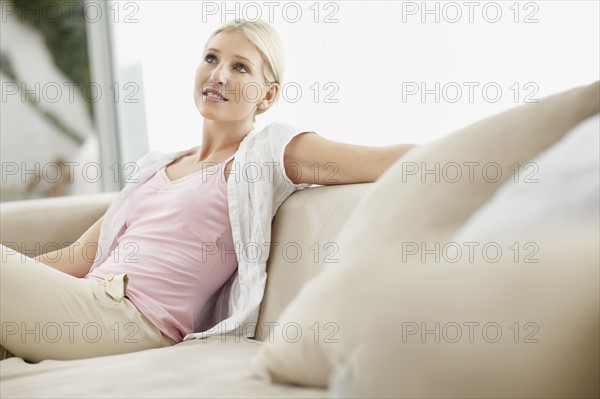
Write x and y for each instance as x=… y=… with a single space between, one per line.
x=241 y=66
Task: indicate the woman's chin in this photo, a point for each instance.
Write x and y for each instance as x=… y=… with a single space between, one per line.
x=206 y=113
x=211 y=115
x=218 y=115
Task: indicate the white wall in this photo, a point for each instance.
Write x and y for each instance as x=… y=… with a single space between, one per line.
x=371 y=54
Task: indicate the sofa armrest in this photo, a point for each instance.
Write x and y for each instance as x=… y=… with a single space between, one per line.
x=37 y=226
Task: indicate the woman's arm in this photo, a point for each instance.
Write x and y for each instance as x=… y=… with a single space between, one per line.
x=77 y=258
x=313 y=159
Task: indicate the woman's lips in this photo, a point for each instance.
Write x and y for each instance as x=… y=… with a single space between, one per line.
x=212 y=93
x=212 y=98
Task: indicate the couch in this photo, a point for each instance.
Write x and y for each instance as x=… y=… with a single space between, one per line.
x=361 y=302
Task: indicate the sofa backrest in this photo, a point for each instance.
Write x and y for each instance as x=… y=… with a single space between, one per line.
x=304 y=235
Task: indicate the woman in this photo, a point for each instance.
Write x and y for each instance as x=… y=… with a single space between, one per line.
x=181 y=252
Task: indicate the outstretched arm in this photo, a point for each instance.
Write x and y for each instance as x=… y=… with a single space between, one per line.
x=313 y=159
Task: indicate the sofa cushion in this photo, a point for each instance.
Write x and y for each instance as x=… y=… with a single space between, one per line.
x=560 y=188
x=484 y=330
x=302 y=245
x=211 y=368
x=333 y=311
x=542 y=291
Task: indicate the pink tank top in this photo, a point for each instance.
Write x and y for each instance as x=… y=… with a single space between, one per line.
x=177 y=248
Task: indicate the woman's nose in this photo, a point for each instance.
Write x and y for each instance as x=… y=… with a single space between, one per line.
x=218 y=75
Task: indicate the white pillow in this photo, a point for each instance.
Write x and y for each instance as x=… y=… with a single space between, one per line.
x=561 y=186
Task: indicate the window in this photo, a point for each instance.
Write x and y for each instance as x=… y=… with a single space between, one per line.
x=362 y=72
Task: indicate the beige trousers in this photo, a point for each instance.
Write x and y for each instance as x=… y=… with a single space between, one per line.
x=48 y=314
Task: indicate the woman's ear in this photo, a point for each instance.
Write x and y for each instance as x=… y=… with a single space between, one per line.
x=272 y=93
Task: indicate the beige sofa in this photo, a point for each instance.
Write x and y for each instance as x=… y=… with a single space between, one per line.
x=308 y=219
x=340 y=259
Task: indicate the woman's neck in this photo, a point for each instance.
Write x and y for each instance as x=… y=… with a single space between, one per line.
x=221 y=138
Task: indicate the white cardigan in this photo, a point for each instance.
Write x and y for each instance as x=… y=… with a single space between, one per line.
x=256 y=187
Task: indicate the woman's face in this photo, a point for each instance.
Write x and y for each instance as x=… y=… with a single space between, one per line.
x=231 y=66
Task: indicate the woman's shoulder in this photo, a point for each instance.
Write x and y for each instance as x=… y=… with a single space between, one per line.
x=279 y=131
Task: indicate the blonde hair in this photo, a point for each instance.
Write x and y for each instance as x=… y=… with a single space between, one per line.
x=269 y=45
